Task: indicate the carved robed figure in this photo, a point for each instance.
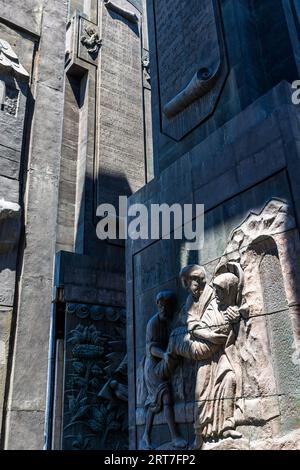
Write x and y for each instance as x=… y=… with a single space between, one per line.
x=209 y=336
x=218 y=381
x=159 y=397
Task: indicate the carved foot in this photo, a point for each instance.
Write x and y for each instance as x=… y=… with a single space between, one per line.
x=232 y=433
x=198 y=443
x=145 y=444
x=179 y=443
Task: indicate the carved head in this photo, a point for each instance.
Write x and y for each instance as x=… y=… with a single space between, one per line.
x=90 y=31
x=193 y=278
x=226 y=287
x=166 y=301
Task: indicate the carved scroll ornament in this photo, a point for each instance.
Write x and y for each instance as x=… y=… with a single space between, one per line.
x=128 y=15
x=192 y=64
x=201 y=83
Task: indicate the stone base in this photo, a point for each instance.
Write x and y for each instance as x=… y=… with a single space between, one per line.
x=170 y=446
x=227 y=444
x=290 y=441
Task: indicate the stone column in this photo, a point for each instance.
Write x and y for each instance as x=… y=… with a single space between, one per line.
x=26 y=404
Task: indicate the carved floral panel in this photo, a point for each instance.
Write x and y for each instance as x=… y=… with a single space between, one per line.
x=95 y=380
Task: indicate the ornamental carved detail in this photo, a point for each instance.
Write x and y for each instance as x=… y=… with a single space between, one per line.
x=91 y=41
x=96 y=390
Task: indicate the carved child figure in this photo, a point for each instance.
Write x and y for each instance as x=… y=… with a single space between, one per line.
x=159 y=390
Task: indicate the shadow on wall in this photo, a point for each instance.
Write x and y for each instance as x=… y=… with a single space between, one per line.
x=265 y=244
x=108 y=251
x=84 y=182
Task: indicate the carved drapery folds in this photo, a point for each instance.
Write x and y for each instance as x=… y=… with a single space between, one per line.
x=239 y=336
x=208 y=337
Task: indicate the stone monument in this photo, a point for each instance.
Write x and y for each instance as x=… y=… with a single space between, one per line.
x=225 y=135
x=75 y=132
x=158 y=390
x=165 y=102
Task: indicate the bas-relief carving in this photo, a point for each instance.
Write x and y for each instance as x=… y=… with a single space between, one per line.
x=11 y=98
x=209 y=338
x=9 y=59
x=8 y=210
x=225 y=332
x=192 y=69
x=10 y=224
x=84 y=38
x=10 y=218
x=159 y=394
x=96 y=390
x=201 y=83
x=248 y=244
x=91 y=41
x=146 y=69
x=11 y=71
x=83 y=43
x=218 y=383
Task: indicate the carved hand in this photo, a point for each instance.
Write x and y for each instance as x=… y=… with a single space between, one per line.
x=166 y=357
x=157 y=352
x=209 y=335
x=217 y=338
x=232 y=314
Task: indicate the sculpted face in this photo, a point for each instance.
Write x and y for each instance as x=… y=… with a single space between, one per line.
x=164 y=310
x=166 y=302
x=226 y=288
x=196 y=285
x=221 y=297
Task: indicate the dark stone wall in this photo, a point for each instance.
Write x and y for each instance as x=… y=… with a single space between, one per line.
x=103 y=157
x=30 y=149
x=235 y=171
x=259 y=48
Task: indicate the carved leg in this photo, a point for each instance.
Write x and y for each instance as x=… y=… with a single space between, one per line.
x=229 y=407
x=177 y=441
x=146 y=440
x=198 y=443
